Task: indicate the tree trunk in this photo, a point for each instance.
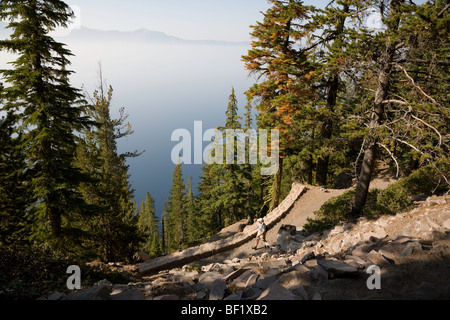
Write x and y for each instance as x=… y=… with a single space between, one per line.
x=327 y=132
x=163 y=233
x=382 y=91
x=277 y=186
x=333 y=87
x=310 y=165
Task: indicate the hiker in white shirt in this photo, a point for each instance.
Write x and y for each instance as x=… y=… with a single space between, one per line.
x=262 y=230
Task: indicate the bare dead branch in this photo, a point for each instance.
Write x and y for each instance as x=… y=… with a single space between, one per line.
x=443 y=10
x=428 y=125
x=414 y=84
x=392 y=156
x=394 y=101
x=357 y=159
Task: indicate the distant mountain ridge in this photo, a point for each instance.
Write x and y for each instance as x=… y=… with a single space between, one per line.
x=141 y=35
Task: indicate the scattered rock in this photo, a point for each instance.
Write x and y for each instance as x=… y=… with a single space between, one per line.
x=277 y=292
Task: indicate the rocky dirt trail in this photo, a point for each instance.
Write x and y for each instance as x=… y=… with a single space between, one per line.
x=308 y=203
x=304 y=208
x=406 y=256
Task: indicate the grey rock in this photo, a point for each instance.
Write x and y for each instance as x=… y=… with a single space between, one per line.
x=378 y=259
x=94 y=293
x=285 y=235
x=235 y=296
x=201 y=295
x=338 y=268
x=241 y=281
x=265 y=281
x=307 y=257
x=274 y=264
x=251 y=293
x=411 y=247
x=300 y=291
x=131 y=294
x=317 y=296
x=277 y=292
x=252 y=280
x=320 y=273
x=217 y=289
x=209 y=277
x=291 y=279
x=167 y=297
x=233 y=275
x=198 y=286
x=56 y=296
x=119 y=288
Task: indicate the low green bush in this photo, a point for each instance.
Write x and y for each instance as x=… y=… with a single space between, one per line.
x=28 y=272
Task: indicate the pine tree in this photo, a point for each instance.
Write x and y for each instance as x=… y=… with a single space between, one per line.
x=285 y=72
x=115 y=224
x=232 y=188
x=408 y=112
x=194 y=227
x=177 y=212
x=148 y=227
x=211 y=208
x=165 y=236
x=329 y=61
x=14 y=195
x=47 y=110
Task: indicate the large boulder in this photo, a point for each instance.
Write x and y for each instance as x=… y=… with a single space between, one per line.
x=288 y=239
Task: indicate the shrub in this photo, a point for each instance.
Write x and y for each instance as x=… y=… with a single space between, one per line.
x=426 y=180
x=28 y=272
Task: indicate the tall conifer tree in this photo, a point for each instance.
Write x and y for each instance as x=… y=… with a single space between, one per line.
x=276 y=58
x=14 y=195
x=177 y=211
x=148 y=226
x=115 y=225
x=46 y=107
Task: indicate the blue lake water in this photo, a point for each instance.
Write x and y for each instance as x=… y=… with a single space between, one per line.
x=163 y=87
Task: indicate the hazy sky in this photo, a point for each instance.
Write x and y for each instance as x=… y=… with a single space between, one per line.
x=226 y=20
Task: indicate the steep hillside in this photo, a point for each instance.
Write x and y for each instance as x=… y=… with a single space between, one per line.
x=405 y=256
